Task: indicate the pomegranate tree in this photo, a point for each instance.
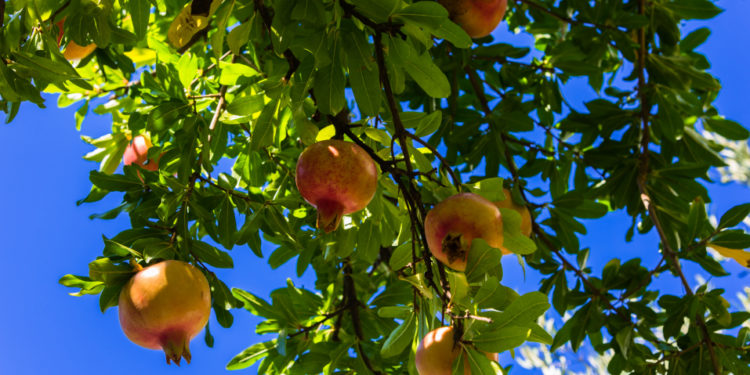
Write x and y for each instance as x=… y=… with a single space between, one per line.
x=437 y=352
x=164 y=306
x=453 y=223
x=337 y=178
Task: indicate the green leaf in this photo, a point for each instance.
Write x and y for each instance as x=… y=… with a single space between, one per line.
x=251 y=355
x=330 y=82
x=43 y=68
x=104 y=270
x=524 y=309
x=401 y=256
x=139 y=11
x=399 y=338
x=227 y=223
x=246 y=105
x=489 y=188
x=513 y=239
x=426 y=14
x=211 y=255
x=377 y=10
x=112 y=248
x=187 y=67
x=421 y=69
x=624 y=338
x=454 y=34
x=254 y=304
x=429 y=124
x=165 y=115
x=538 y=334
x=727 y=129
x=498 y=340
x=86 y=284
x=480 y=364
x=695 y=39
x=694 y=9
x=263 y=127
x=110 y=296
x=232 y=72
x=734 y=216
x=238 y=37
x=732 y=239
x=159 y=250
x=365 y=86
x=482 y=259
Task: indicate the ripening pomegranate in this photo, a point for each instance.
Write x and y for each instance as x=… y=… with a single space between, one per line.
x=453 y=223
x=137 y=153
x=337 y=178
x=477 y=17
x=525 y=216
x=436 y=353
x=164 y=306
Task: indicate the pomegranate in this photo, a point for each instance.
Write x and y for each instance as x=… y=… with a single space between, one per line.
x=525 y=216
x=137 y=153
x=164 y=306
x=477 y=17
x=453 y=223
x=337 y=178
x=436 y=353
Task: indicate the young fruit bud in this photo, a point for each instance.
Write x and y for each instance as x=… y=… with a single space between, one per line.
x=525 y=215
x=337 y=178
x=164 y=306
x=436 y=353
x=477 y=17
x=453 y=223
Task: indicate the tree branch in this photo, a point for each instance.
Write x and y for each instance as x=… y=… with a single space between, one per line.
x=642 y=180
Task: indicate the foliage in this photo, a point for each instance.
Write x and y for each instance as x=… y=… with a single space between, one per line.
x=250 y=83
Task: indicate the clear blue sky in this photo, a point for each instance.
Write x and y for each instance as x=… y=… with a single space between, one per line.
x=44 y=235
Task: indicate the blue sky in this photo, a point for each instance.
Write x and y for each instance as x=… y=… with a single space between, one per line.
x=44 y=235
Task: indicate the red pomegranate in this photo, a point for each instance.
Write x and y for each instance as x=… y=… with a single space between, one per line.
x=453 y=223
x=337 y=178
x=436 y=353
x=137 y=153
x=164 y=306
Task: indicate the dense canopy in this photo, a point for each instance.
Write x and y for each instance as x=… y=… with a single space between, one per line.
x=214 y=101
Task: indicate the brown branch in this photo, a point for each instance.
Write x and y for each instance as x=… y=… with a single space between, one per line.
x=504 y=60
x=231 y=192
x=352 y=304
x=318 y=323
x=386 y=27
x=51 y=18
x=564 y=18
x=2 y=12
x=443 y=161
x=217 y=113
x=642 y=180
x=473 y=317
x=674 y=355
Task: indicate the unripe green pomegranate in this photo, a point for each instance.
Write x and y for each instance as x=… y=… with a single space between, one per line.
x=453 y=223
x=164 y=306
x=337 y=178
